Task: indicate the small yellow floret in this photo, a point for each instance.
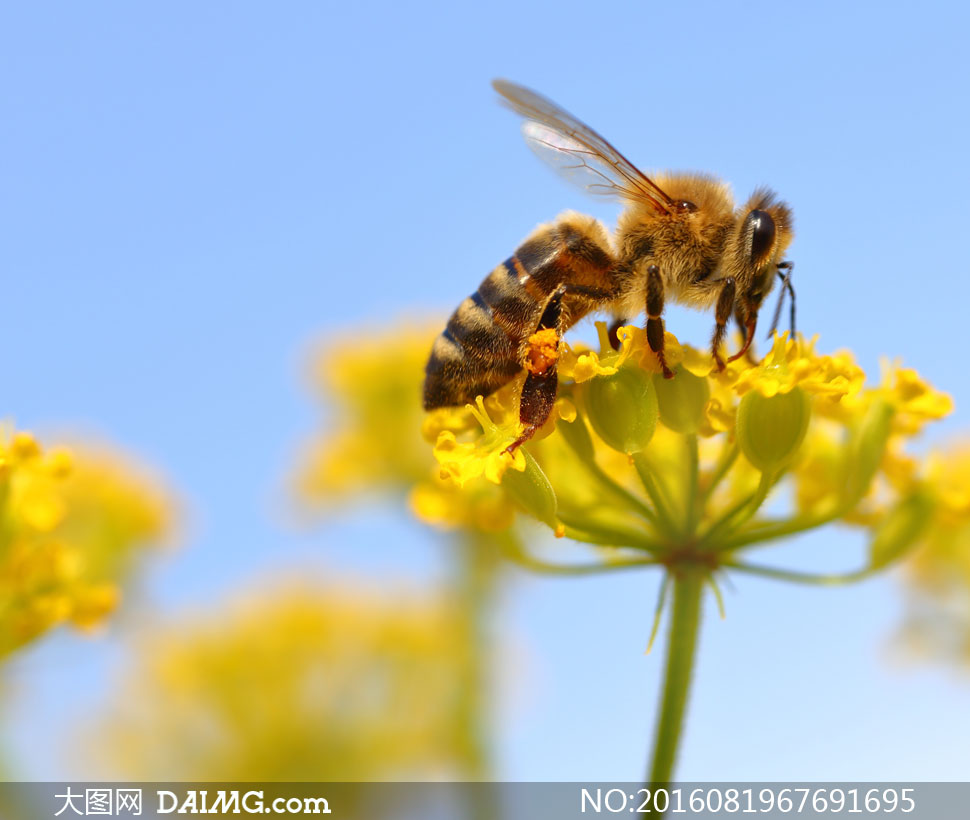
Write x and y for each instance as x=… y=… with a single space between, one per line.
x=915 y=400
x=488 y=455
x=794 y=362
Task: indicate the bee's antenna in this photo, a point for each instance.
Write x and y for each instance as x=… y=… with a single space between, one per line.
x=786 y=284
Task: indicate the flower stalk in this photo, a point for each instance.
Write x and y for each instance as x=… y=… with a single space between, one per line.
x=688 y=588
x=476 y=588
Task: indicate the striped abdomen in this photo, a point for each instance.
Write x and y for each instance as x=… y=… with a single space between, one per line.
x=482 y=346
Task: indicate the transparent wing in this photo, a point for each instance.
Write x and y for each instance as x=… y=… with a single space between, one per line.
x=571 y=160
x=577 y=152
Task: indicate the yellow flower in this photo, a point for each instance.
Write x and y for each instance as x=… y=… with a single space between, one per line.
x=937 y=623
x=371 y=386
x=487 y=455
x=70 y=527
x=915 y=401
x=794 y=362
x=799 y=417
x=580 y=365
x=484 y=453
x=373 y=437
x=439 y=501
x=298 y=681
x=819 y=471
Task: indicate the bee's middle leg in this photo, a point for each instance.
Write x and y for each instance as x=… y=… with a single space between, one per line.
x=722 y=313
x=655 y=322
x=542 y=379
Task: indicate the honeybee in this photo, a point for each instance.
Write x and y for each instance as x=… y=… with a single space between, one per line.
x=680 y=238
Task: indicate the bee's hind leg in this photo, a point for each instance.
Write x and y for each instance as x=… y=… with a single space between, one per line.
x=542 y=380
x=655 y=322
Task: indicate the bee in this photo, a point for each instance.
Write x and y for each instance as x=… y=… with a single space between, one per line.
x=680 y=238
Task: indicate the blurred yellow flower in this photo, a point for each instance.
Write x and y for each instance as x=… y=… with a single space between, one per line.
x=437 y=501
x=938 y=577
x=70 y=526
x=371 y=391
x=915 y=401
x=296 y=681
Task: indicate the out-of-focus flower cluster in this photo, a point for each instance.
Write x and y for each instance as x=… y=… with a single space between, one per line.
x=71 y=524
x=938 y=620
x=680 y=469
x=298 y=682
x=372 y=438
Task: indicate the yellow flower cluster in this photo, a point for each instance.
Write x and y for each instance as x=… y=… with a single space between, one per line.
x=295 y=682
x=682 y=467
x=369 y=384
x=70 y=526
x=373 y=383
x=659 y=469
x=938 y=577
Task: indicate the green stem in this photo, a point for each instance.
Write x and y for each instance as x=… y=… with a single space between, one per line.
x=816 y=579
x=619 y=491
x=657 y=495
x=476 y=585
x=604 y=536
x=545 y=568
x=712 y=581
x=658 y=611
x=693 y=474
x=681 y=648
x=728 y=456
x=775 y=530
x=740 y=512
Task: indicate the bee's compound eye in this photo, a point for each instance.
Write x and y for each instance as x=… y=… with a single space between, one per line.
x=685 y=206
x=760 y=228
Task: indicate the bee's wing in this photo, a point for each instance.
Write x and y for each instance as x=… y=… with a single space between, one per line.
x=577 y=152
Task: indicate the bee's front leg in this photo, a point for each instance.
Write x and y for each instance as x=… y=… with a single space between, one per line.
x=655 y=322
x=747 y=317
x=786 y=284
x=614 y=331
x=542 y=380
x=743 y=330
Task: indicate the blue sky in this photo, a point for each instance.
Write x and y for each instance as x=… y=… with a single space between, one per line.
x=192 y=193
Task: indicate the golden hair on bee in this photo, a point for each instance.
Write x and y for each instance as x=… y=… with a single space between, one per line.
x=680 y=238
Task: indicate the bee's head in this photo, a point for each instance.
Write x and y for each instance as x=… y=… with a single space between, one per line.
x=763 y=235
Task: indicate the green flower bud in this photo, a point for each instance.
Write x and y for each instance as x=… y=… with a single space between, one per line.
x=623 y=408
x=866 y=449
x=770 y=430
x=682 y=400
x=900 y=529
x=532 y=491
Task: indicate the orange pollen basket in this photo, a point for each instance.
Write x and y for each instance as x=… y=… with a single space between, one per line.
x=543 y=351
